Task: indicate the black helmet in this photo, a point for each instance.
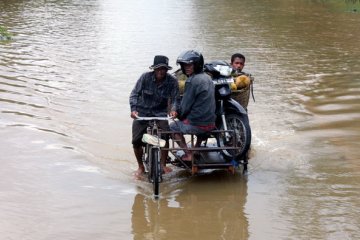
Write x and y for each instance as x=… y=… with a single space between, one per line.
x=193 y=57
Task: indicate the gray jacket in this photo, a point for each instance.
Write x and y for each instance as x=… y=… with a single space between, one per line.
x=198 y=102
x=151 y=99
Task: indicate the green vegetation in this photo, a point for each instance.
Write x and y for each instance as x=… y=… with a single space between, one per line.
x=352 y=6
x=4 y=34
x=346 y=5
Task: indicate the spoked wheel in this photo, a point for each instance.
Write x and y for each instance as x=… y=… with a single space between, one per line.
x=145 y=158
x=155 y=170
x=240 y=138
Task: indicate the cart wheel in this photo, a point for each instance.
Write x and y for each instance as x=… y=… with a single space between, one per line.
x=232 y=170
x=155 y=170
x=194 y=170
x=245 y=168
x=245 y=163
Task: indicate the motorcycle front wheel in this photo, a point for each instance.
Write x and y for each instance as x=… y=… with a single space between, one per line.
x=240 y=137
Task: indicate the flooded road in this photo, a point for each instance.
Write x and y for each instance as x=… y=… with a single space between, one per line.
x=65 y=150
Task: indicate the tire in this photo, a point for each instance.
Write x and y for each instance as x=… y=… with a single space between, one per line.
x=145 y=158
x=155 y=170
x=240 y=124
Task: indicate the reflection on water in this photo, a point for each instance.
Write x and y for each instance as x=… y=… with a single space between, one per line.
x=65 y=80
x=334 y=107
x=194 y=210
x=323 y=201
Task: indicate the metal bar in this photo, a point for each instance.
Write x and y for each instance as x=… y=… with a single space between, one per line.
x=207 y=149
x=215 y=165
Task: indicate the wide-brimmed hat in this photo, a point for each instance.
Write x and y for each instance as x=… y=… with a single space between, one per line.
x=160 y=61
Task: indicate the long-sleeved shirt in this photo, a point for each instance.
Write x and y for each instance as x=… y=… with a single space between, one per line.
x=151 y=99
x=198 y=102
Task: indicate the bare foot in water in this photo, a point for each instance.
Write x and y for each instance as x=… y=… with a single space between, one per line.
x=166 y=170
x=138 y=174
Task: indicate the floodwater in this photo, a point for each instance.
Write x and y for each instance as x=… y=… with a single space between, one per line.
x=65 y=152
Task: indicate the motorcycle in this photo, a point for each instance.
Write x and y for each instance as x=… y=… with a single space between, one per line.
x=230 y=115
x=232 y=137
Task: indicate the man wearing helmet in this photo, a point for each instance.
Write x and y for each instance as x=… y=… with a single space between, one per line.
x=197 y=108
x=150 y=98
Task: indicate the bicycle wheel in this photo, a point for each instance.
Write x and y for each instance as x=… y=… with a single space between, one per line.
x=145 y=157
x=155 y=170
x=240 y=138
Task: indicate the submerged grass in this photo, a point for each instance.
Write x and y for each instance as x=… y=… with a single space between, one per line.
x=5 y=34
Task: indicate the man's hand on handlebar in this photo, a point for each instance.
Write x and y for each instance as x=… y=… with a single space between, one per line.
x=173 y=114
x=134 y=114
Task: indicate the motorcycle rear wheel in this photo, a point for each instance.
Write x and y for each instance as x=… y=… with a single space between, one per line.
x=240 y=138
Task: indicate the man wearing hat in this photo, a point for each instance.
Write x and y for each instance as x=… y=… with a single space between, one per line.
x=153 y=93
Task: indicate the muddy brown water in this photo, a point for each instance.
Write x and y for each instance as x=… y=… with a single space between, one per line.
x=65 y=152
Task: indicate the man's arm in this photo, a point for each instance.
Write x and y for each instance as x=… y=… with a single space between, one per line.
x=175 y=95
x=135 y=93
x=188 y=99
